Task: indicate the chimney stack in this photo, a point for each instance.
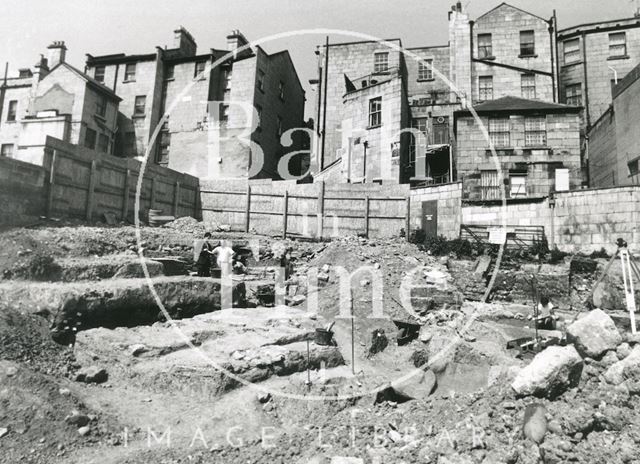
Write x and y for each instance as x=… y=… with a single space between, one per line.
x=184 y=42
x=235 y=40
x=57 y=53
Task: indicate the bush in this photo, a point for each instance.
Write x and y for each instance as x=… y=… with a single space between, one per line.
x=42 y=267
x=600 y=254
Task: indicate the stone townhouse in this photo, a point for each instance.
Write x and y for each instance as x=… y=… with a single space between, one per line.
x=259 y=97
x=537 y=149
x=591 y=58
x=614 y=139
x=505 y=52
x=55 y=99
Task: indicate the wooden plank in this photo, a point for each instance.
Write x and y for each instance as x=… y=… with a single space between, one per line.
x=320 y=209
x=51 y=183
x=91 y=190
x=366 y=216
x=152 y=200
x=284 y=215
x=176 y=197
x=408 y=219
x=126 y=194
x=247 y=217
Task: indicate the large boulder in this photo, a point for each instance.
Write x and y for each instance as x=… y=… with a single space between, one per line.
x=550 y=373
x=418 y=386
x=594 y=334
x=626 y=369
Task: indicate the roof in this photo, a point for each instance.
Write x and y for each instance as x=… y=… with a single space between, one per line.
x=503 y=4
x=520 y=105
x=118 y=58
x=601 y=26
x=89 y=80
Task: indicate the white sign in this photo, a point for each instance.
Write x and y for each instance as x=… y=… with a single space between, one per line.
x=497 y=236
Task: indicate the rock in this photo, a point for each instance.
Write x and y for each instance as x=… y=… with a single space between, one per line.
x=79 y=420
x=64 y=392
x=535 y=423
x=138 y=349
x=623 y=350
x=3 y=431
x=263 y=397
x=633 y=338
x=550 y=372
x=394 y=436
x=83 y=431
x=609 y=359
x=325 y=268
x=92 y=374
x=323 y=277
x=224 y=228
x=418 y=386
x=594 y=334
x=554 y=427
x=11 y=371
x=296 y=300
x=425 y=334
x=628 y=368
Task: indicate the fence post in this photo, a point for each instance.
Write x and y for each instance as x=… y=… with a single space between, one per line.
x=90 y=190
x=320 y=209
x=247 y=212
x=285 y=214
x=176 y=198
x=408 y=219
x=51 y=183
x=366 y=216
x=125 y=194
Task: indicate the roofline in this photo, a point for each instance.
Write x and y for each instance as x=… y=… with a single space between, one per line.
x=515 y=8
x=293 y=66
x=565 y=109
x=89 y=81
x=593 y=27
x=187 y=59
x=118 y=59
x=341 y=44
x=428 y=46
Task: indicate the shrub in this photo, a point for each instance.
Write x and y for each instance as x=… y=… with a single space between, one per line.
x=42 y=267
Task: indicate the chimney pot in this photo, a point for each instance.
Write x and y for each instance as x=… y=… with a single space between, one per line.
x=57 y=53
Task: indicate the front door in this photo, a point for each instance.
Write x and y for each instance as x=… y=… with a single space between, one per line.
x=430 y=218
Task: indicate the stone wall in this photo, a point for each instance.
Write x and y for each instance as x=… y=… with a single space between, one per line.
x=449 y=198
x=505 y=23
x=562 y=151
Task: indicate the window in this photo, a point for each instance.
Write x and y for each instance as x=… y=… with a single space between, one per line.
x=485 y=49
x=101 y=106
x=279 y=127
x=13 y=110
x=528 y=86
x=499 y=132
x=103 y=143
x=489 y=185
x=98 y=73
x=281 y=90
x=130 y=143
x=375 y=112
x=141 y=102
x=170 y=72
x=90 y=139
x=618 y=44
x=6 y=150
x=571 y=51
x=517 y=184
x=130 y=72
x=261 y=80
x=527 y=43
x=634 y=166
x=535 y=131
x=425 y=70
x=259 y=113
x=228 y=72
x=162 y=156
x=485 y=88
x=199 y=69
x=573 y=94
x=380 y=62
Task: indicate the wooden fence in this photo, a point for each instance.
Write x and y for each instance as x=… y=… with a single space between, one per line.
x=79 y=183
x=313 y=210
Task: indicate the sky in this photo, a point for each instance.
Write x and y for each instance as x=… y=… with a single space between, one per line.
x=118 y=26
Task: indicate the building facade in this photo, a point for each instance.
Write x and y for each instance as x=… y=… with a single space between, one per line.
x=591 y=58
x=213 y=114
x=537 y=148
x=55 y=99
x=614 y=139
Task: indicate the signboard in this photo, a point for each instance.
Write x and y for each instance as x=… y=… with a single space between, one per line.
x=497 y=235
x=562 y=180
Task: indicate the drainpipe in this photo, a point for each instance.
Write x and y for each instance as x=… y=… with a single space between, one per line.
x=364 y=161
x=615 y=74
x=555 y=46
x=586 y=79
x=552 y=232
x=3 y=89
x=551 y=45
x=324 y=103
